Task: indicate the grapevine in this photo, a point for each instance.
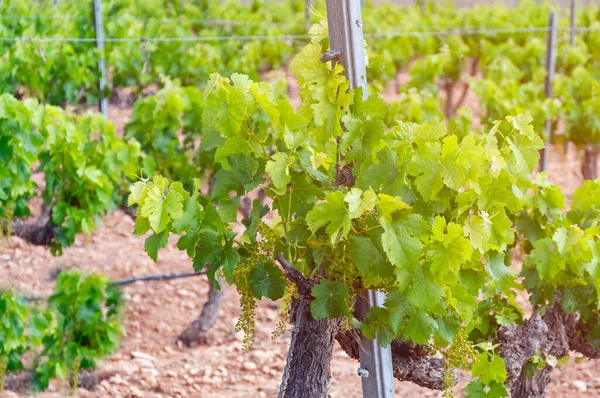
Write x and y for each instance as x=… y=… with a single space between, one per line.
x=431 y=218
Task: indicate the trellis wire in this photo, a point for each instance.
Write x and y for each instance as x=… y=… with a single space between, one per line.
x=455 y=32
x=145 y=19
x=129 y=281
x=156 y=39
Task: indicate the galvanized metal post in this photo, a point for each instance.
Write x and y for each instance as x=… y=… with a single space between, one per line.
x=347 y=46
x=101 y=62
x=573 y=22
x=375 y=362
x=550 y=66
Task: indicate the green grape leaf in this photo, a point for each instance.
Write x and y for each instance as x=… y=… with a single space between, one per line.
x=423 y=293
x=388 y=205
x=428 y=170
x=400 y=307
x=266 y=280
x=230 y=113
x=190 y=223
x=334 y=213
x=155 y=242
x=448 y=251
x=476 y=389
x=386 y=176
x=256 y=214
x=371 y=264
x=360 y=202
x=489 y=369
x=161 y=205
x=217 y=252
x=401 y=241
x=522 y=123
x=546 y=258
x=301 y=194
x=279 y=170
x=496 y=267
x=228 y=209
x=308 y=67
x=245 y=175
x=376 y=324
x=419 y=328
x=330 y=300
x=479 y=230
x=447 y=327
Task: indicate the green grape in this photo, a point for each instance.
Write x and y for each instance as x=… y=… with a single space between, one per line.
x=458 y=354
x=286 y=302
x=246 y=321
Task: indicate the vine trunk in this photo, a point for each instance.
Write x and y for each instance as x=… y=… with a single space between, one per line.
x=310 y=372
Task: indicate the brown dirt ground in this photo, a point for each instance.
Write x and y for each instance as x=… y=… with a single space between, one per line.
x=149 y=363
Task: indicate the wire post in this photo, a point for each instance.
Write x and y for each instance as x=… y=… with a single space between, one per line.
x=550 y=66
x=101 y=62
x=573 y=22
x=347 y=46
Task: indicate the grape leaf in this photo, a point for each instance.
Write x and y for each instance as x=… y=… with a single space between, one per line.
x=448 y=250
x=419 y=328
x=546 y=258
x=155 y=242
x=371 y=264
x=266 y=280
x=423 y=293
x=400 y=239
x=330 y=300
x=376 y=324
x=245 y=175
x=489 y=369
x=190 y=223
x=279 y=170
x=333 y=213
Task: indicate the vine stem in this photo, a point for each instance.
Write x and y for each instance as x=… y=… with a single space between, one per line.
x=286 y=369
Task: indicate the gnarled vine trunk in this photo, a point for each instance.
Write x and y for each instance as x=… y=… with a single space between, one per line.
x=589 y=164
x=309 y=370
x=410 y=361
x=555 y=334
x=195 y=334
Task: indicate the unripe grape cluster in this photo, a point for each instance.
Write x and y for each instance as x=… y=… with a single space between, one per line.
x=458 y=355
x=263 y=250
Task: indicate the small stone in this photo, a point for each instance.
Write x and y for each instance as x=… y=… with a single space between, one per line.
x=144 y=363
x=223 y=371
x=143 y=355
x=136 y=392
x=117 y=380
x=149 y=371
x=250 y=365
x=152 y=382
x=580 y=385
